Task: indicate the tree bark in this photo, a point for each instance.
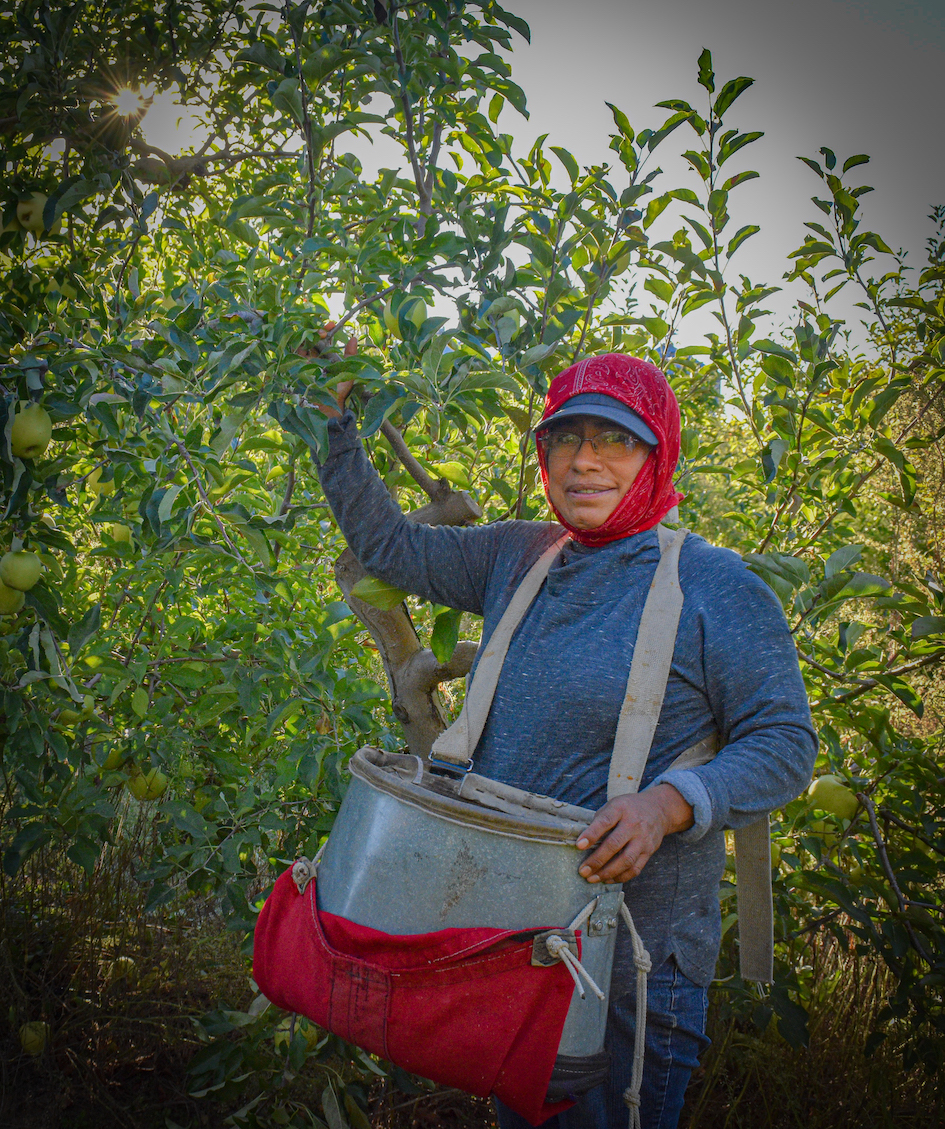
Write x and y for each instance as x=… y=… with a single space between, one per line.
x=413 y=672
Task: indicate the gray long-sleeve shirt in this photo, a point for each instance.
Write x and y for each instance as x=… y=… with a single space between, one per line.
x=553 y=719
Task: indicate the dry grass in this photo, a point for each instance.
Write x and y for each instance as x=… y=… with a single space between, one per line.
x=116 y=987
x=749 y=1080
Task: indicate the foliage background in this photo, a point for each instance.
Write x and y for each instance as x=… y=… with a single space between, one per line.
x=174 y=315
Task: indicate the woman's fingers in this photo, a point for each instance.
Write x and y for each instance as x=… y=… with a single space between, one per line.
x=627 y=831
x=342 y=391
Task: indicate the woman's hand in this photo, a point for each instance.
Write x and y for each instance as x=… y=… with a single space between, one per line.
x=628 y=830
x=343 y=388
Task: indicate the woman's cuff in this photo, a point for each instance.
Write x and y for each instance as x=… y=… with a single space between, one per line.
x=688 y=784
x=342 y=434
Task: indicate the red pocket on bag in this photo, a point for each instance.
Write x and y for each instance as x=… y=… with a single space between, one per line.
x=463 y=1007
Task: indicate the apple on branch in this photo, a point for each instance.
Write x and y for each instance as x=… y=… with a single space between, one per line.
x=31 y=431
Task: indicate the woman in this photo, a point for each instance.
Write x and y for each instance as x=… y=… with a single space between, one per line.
x=608 y=443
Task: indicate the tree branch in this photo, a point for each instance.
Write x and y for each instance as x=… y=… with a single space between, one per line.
x=425 y=672
x=872 y=683
x=432 y=487
x=890 y=874
x=185 y=454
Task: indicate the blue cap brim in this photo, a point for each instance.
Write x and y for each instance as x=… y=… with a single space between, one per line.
x=601 y=406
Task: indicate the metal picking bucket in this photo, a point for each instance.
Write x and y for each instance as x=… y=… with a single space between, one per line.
x=413 y=852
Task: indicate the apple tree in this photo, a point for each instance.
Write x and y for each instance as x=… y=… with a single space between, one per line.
x=182 y=680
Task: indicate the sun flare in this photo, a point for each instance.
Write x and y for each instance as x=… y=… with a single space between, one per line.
x=127 y=101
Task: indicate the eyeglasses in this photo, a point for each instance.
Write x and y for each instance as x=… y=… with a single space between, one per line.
x=611 y=446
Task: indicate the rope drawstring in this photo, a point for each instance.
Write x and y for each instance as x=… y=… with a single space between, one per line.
x=559 y=948
x=643 y=964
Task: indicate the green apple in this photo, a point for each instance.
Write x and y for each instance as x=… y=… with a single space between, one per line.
x=123 y=968
x=826 y=832
x=33 y=1037
x=281 y=1037
x=30 y=213
x=115 y=758
x=20 y=570
x=31 y=431
x=413 y=309
x=830 y=794
x=11 y=600
x=94 y=484
x=121 y=532
x=145 y=786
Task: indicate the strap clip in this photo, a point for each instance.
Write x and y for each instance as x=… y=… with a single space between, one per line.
x=448 y=768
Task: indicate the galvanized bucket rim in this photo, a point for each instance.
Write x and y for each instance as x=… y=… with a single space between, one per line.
x=475 y=800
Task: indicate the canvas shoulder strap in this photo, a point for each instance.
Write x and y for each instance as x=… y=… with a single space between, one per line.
x=456 y=745
x=752 y=877
x=649 y=669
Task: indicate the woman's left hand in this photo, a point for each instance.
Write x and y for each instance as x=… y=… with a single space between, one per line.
x=628 y=830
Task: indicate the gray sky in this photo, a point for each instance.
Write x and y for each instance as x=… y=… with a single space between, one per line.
x=860 y=76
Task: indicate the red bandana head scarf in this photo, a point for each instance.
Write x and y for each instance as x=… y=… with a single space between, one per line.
x=645 y=390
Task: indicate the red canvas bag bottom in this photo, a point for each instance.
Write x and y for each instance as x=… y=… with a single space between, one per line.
x=462 y=1007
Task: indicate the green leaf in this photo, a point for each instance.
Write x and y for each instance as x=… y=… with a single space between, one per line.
x=871 y=239
x=84 y=854
x=535 y=355
x=654 y=208
x=166 y=507
x=452 y=472
x=333 y=1115
x=928 y=625
x=263 y=55
x=732 y=141
x=771 y=457
x=445 y=634
x=140 y=702
x=792 y=1018
x=766 y=346
x=186 y=818
x=83 y=631
x=865 y=584
x=288 y=96
x=842 y=559
x=706 y=74
x=738 y=178
x=740 y=236
x=622 y=121
x=780 y=370
x=380 y=406
x=852 y=162
x=568 y=161
x=729 y=92
x=666 y=129
x=258 y=543
x=903 y=691
x=378 y=593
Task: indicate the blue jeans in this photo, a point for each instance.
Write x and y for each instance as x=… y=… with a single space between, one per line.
x=675 y=1037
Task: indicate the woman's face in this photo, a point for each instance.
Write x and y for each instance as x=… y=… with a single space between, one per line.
x=584 y=487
